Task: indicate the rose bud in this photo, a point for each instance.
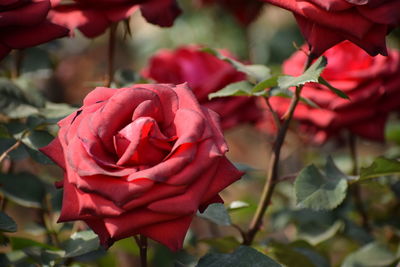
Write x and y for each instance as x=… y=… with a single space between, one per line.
x=141 y=160
x=24 y=24
x=190 y=64
x=372 y=84
x=325 y=23
x=93 y=17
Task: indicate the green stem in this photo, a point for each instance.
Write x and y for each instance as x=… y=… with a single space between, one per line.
x=141 y=241
x=111 y=54
x=355 y=189
x=273 y=168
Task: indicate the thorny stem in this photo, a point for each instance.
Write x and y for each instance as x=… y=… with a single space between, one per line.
x=111 y=53
x=273 y=168
x=355 y=189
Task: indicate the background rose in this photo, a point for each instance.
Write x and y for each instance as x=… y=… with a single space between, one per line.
x=245 y=11
x=372 y=83
x=93 y=17
x=205 y=74
x=325 y=23
x=25 y=24
x=141 y=160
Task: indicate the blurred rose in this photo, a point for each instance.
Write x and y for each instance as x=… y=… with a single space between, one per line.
x=372 y=83
x=141 y=160
x=24 y=24
x=245 y=11
x=325 y=23
x=93 y=17
x=205 y=74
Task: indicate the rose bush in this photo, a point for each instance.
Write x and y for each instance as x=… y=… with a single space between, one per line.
x=245 y=11
x=141 y=160
x=325 y=23
x=93 y=17
x=25 y=24
x=190 y=64
x=372 y=84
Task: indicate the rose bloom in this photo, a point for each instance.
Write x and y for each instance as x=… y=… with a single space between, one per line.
x=245 y=11
x=141 y=160
x=93 y=17
x=372 y=84
x=205 y=74
x=325 y=23
x=24 y=24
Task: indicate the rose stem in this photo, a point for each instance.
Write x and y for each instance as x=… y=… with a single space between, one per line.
x=273 y=170
x=111 y=53
x=18 y=59
x=355 y=189
x=143 y=250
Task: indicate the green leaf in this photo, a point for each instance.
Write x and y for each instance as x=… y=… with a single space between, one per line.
x=380 y=167
x=7 y=224
x=19 y=243
x=233 y=89
x=267 y=83
x=56 y=111
x=320 y=191
x=310 y=75
x=255 y=73
x=321 y=237
x=371 y=255
x=223 y=244
x=242 y=257
x=35 y=140
x=290 y=256
x=24 y=189
x=216 y=213
x=338 y=92
x=14 y=102
x=81 y=243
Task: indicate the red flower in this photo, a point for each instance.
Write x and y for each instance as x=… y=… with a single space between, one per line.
x=245 y=11
x=141 y=160
x=25 y=24
x=205 y=74
x=372 y=83
x=325 y=23
x=93 y=17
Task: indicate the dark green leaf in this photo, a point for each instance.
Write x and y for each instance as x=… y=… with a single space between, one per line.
x=380 y=167
x=14 y=102
x=371 y=255
x=56 y=111
x=320 y=191
x=81 y=243
x=23 y=188
x=4 y=131
x=7 y=224
x=16 y=154
x=338 y=92
x=289 y=256
x=35 y=140
x=216 y=213
x=242 y=257
x=233 y=89
x=310 y=75
x=19 y=243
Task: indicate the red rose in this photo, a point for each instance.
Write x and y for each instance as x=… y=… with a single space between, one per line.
x=325 y=23
x=141 y=160
x=205 y=74
x=245 y=11
x=372 y=83
x=24 y=24
x=93 y=17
